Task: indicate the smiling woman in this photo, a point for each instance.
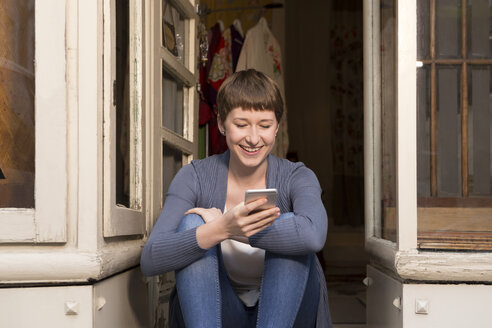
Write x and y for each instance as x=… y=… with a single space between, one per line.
x=206 y=231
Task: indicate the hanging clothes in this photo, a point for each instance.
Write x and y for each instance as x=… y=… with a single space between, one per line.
x=261 y=51
x=223 y=60
x=237 y=40
x=206 y=110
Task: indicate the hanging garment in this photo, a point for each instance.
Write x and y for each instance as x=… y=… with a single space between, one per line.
x=225 y=58
x=206 y=110
x=261 y=51
x=220 y=69
x=237 y=40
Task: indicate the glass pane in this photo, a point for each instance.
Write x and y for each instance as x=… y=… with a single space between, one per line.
x=448 y=131
x=122 y=103
x=423 y=30
x=423 y=132
x=388 y=121
x=173 y=30
x=17 y=135
x=448 y=28
x=480 y=131
x=173 y=94
x=450 y=215
x=479 y=22
x=172 y=161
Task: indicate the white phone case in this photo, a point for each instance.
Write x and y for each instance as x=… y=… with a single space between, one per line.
x=254 y=194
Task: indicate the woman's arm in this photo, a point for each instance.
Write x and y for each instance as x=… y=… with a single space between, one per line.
x=166 y=249
x=303 y=232
x=236 y=224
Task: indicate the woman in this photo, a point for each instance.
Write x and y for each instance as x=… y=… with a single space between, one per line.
x=234 y=268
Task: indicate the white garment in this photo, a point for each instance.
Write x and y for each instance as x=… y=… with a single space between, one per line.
x=262 y=52
x=244 y=266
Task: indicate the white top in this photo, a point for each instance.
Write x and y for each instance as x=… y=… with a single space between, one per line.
x=244 y=266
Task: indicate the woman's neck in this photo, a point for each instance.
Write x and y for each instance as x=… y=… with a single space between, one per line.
x=247 y=178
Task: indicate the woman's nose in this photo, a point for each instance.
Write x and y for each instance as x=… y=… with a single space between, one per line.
x=253 y=137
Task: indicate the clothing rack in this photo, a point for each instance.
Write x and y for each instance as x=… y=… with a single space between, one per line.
x=204 y=10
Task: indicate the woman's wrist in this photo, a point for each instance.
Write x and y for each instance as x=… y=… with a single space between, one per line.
x=210 y=234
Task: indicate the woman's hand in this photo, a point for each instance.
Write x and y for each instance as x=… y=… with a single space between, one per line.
x=207 y=214
x=236 y=223
x=240 y=222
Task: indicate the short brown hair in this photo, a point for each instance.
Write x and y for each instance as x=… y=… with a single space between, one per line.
x=250 y=90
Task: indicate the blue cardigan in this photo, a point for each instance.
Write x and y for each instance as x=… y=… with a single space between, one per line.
x=203 y=183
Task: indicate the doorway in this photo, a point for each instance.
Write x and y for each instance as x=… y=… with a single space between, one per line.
x=321 y=46
x=324 y=96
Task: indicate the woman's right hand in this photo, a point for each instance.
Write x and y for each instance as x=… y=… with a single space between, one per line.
x=237 y=222
x=240 y=221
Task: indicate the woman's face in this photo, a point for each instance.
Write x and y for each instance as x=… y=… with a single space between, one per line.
x=250 y=135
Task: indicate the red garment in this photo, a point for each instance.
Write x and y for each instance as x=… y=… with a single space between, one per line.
x=205 y=108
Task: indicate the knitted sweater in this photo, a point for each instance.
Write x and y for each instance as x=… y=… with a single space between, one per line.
x=203 y=183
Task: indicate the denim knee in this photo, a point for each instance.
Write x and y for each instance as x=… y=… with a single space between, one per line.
x=190 y=221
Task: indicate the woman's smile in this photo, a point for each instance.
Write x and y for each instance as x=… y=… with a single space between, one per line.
x=251 y=150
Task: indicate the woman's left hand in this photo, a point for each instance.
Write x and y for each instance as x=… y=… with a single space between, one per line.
x=207 y=214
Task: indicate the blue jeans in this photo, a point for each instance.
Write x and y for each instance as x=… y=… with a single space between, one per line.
x=288 y=298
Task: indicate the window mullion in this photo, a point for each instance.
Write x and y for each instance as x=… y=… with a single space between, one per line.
x=464 y=103
x=464 y=130
x=433 y=85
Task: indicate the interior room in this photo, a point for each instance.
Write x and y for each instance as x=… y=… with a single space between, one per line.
x=322 y=74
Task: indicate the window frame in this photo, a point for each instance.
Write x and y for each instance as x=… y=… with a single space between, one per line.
x=406 y=174
x=403 y=257
x=47 y=222
x=184 y=72
x=119 y=220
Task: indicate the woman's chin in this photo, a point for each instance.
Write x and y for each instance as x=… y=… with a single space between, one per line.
x=251 y=160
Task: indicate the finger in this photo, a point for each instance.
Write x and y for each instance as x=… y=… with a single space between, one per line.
x=217 y=210
x=259 y=228
x=259 y=224
x=274 y=211
x=252 y=220
x=254 y=205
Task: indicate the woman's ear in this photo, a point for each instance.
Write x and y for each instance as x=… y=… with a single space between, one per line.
x=220 y=124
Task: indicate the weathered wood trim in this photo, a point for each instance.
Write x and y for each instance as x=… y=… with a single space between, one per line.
x=17 y=226
x=61 y=265
x=406 y=131
x=185 y=8
x=444 y=266
x=177 y=141
x=122 y=221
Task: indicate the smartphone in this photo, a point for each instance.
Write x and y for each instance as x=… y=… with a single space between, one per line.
x=254 y=194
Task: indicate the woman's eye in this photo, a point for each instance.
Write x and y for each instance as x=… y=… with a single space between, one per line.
x=240 y=125
x=265 y=126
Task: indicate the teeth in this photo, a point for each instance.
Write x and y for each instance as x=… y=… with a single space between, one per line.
x=252 y=150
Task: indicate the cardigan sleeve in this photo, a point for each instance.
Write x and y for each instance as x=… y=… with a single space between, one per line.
x=303 y=232
x=166 y=249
